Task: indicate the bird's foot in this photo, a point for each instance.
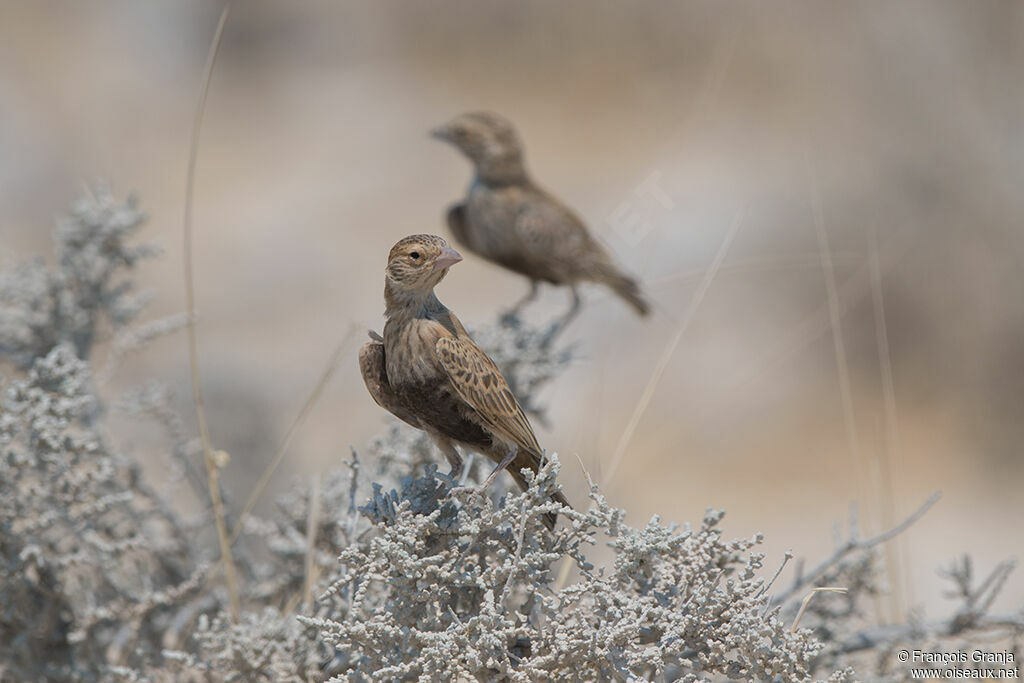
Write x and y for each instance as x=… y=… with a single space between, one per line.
x=511 y=319
x=562 y=323
x=553 y=332
x=466 y=493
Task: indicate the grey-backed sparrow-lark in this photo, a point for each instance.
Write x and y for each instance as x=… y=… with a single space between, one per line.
x=428 y=372
x=507 y=219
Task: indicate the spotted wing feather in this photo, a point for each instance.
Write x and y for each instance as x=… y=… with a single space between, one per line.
x=479 y=383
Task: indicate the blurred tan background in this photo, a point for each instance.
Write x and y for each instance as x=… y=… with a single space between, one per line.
x=661 y=123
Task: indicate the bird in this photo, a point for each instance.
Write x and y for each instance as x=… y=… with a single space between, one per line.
x=508 y=219
x=428 y=372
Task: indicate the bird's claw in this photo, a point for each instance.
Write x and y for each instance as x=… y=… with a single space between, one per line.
x=465 y=493
x=510 y=318
x=552 y=334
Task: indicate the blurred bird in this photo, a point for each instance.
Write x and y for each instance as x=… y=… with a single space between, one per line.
x=509 y=220
x=428 y=372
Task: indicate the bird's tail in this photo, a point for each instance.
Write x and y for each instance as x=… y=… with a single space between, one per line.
x=625 y=286
x=527 y=460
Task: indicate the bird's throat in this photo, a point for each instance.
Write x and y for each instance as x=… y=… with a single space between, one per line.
x=401 y=304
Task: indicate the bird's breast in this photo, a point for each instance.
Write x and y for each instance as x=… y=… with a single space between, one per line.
x=490 y=217
x=410 y=354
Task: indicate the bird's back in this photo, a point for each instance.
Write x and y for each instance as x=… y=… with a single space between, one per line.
x=489 y=221
x=526 y=230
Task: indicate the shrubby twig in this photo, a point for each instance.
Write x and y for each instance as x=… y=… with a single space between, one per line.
x=852 y=545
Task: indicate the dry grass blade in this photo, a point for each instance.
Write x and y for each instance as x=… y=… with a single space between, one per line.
x=891 y=466
x=835 y=321
x=565 y=569
x=807 y=601
x=813 y=327
x=293 y=429
x=311 y=527
x=781 y=262
x=670 y=348
x=212 y=471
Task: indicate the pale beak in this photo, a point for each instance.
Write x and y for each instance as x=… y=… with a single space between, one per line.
x=448 y=257
x=441 y=133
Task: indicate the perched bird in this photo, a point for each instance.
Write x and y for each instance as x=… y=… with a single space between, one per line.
x=509 y=220
x=428 y=372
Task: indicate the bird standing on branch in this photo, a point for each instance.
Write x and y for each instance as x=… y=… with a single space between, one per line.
x=509 y=220
x=428 y=372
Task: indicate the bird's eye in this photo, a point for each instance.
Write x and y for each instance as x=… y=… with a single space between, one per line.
x=459 y=132
x=414 y=255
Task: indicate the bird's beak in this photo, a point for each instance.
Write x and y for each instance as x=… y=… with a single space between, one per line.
x=448 y=257
x=441 y=133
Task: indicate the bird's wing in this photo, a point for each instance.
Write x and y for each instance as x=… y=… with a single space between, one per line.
x=479 y=382
x=373 y=368
x=550 y=230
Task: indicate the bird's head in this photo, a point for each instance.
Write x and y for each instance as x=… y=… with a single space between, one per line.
x=488 y=140
x=417 y=263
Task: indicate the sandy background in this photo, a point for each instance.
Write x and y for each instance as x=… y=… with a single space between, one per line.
x=906 y=120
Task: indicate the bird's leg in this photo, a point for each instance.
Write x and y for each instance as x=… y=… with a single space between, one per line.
x=559 y=325
x=456 y=471
x=478 y=490
x=452 y=455
x=509 y=457
x=466 y=469
x=511 y=316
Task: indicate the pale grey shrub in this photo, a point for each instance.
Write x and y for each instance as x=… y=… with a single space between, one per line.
x=98 y=571
x=850 y=640
x=449 y=592
x=95 y=565
x=265 y=645
x=42 y=306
